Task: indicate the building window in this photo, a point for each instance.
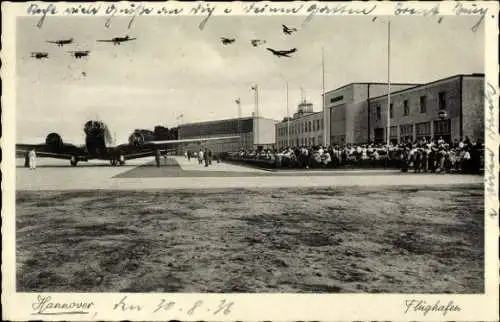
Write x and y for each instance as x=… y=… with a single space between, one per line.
x=322 y=123
x=313 y=126
x=406 y=108
x=422 y=130
x=313 y=141
x=379 y=135
x=406 y=132
x=442 y=100
x=310 y=126
x=443 y=130
x=379 y=113
x=423 y=104
x=391 y=110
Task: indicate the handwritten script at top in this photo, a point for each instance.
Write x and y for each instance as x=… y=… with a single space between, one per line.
x=207 y=10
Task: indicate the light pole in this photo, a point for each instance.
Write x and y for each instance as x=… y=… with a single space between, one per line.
x=255 y=88
x=238 y=104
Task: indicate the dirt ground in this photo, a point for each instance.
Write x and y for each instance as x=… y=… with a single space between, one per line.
x=402 y=240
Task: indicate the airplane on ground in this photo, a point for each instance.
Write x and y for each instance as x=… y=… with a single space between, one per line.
x=80 y=53
x=98 y=146
x=227 y=41
x=288 y=31
x=39 y=55
x=60 y=43
x=257 y=42
x=118 y=40
x=282 y=53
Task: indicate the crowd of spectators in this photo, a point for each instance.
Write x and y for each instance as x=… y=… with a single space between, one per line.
x=424 y=155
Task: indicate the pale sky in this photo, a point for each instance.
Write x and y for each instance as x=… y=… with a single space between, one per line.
x=173 y=67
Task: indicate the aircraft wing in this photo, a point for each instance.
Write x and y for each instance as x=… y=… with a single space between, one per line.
x=65 y=151
x=105 y=40
x=149 y=148
x=192 y=140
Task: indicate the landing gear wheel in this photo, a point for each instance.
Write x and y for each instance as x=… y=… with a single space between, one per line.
x=73 y=161
x=121 y=160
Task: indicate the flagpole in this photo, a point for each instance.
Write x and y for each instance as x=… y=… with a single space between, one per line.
x=287 y=118
x=388 y=82
x=325 y=122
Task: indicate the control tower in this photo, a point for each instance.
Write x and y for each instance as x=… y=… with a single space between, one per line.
x=304 y=107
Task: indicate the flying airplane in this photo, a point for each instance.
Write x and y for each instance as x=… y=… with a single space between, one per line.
x=118 y=40
x=288 y=31
x=282 y=53
x=60 y=43
x=80 y=53
x=98 y=146
x=39 y=55
x=227 y=41
x=257 y=42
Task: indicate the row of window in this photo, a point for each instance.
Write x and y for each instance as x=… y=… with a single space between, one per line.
x=441 y=128
x=214 y=128
x=422 y=106
x=305 y=127
x=302 y=141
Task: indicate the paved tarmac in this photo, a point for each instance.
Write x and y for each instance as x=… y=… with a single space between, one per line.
x=179 y=173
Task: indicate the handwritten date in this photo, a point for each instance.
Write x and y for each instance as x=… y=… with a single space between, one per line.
x=222 y=307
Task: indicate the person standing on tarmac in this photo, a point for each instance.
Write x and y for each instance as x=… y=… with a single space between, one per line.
x=206 y=157
x=158 y=158
x=32 y=159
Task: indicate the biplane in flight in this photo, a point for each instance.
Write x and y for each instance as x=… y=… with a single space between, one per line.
x=62 y=42
x=227 y=41
x=282 y=53
x=39 y=55
x=287 y=30
x=118 y=40
x=79 y=53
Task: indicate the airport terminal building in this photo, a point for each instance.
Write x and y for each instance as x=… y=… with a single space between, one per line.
x=348 y=110
x=253 y=132
x=451 y=108
x=306 y=128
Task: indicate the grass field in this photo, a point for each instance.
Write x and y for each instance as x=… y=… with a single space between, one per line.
x=403 y=240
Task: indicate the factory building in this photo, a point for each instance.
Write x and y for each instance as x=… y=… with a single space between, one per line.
x=347 y=120
x=253 y=132
x=306 y=128
x=451 y=108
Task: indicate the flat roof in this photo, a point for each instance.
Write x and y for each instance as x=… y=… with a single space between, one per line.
x=226 y=120
x=431 y=83
x=368 y=83
x=302 y=116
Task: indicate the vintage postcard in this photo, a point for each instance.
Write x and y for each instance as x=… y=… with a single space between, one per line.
x=250 y=161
